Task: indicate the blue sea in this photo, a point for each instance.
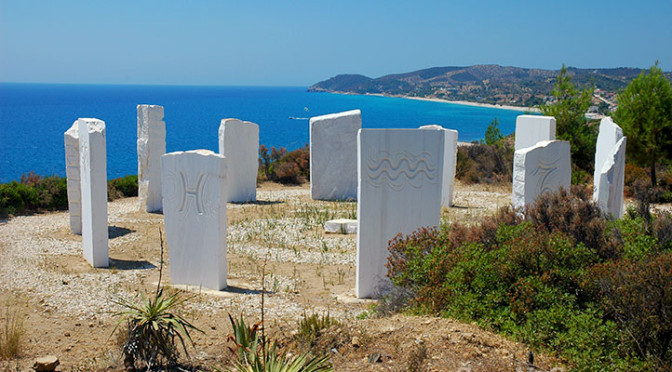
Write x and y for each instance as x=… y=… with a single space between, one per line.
x=33 y=118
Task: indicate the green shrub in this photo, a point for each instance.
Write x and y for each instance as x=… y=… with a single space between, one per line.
x=565 y=279
x=33 y=194
x=481 y=163
x=310 y=327
x=122 y=187
x=289 y=168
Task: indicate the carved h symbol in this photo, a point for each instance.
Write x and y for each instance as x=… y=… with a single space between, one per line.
x=196 y=193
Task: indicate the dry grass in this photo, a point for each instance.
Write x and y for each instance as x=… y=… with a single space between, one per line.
x=12 y=333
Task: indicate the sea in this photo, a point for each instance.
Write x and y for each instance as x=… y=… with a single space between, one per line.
x=33 y=118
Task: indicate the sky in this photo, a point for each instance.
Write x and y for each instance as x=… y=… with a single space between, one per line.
x=301 y=42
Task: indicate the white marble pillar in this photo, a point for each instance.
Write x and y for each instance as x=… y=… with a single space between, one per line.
x=333 y=155
x=399 y=190
x=239 y=143
x=151 y=146
x=531 y=129
x=93 y=173
x=609 y=176
x=194 y=210
x=71 y=137
x=542 y=168
x=449 y=163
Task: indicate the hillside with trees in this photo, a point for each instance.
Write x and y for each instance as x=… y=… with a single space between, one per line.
x=492 y=84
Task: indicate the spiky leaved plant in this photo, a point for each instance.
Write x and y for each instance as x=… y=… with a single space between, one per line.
x=153 y=326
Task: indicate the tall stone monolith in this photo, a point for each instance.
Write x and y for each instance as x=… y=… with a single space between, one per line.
x=399 y=190
x=71 y=137
x=609 y=176
x=194 y=210
x=449 y=163
x=531 y=129
x=151 y=146
x=542 y=168
x=93 y=178
x=333 y=155
x=239 y=143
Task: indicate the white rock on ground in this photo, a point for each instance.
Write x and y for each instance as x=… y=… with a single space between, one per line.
x=341 y=226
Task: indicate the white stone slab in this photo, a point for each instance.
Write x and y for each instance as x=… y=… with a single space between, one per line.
x=194 y=210
x=399 y=190
x=341 y=226
x=608 y=188
x=542 y=168
x=449 y=163
x=151 y=146
x=71 y=137
x=93 y=181
x=239 y=143
x=609 y=175
x=333 y=155
x=531 y=129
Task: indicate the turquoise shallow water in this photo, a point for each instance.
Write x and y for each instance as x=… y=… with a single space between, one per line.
x=33 y=118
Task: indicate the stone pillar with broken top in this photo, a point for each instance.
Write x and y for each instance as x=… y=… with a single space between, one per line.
x=71 y=137
x=609 y=176
x=151 y=146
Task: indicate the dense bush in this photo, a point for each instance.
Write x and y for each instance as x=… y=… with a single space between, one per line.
x=122 y=187
x=481 y=163
x=34 y=193
x=562 y=279
x=278 y=165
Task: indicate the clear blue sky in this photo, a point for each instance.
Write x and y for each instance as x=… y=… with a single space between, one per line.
x=208 y=42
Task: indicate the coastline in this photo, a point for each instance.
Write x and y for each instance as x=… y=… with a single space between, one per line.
x=463 y=103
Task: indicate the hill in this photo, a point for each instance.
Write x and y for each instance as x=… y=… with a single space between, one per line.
x=493 y=84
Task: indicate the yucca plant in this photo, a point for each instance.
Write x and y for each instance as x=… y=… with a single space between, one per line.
x=256 y=355
x=152 y=329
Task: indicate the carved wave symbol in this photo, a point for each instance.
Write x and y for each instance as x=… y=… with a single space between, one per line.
x=547 y=173
x=402 y=169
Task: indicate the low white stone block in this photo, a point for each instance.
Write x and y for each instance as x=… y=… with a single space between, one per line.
x=449 y=163
x=71 y=137
x=93 y=183
x=341 y=226
x=531 y=129
x=239 y=143
x=399 y=190
x=194 y=210
x=333 y=155
x=609 y=176
x=151 y=146
x=542 y=168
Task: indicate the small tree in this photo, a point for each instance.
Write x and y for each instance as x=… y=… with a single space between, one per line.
x=645 y=114
x=569 y=110
x=492 y=134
